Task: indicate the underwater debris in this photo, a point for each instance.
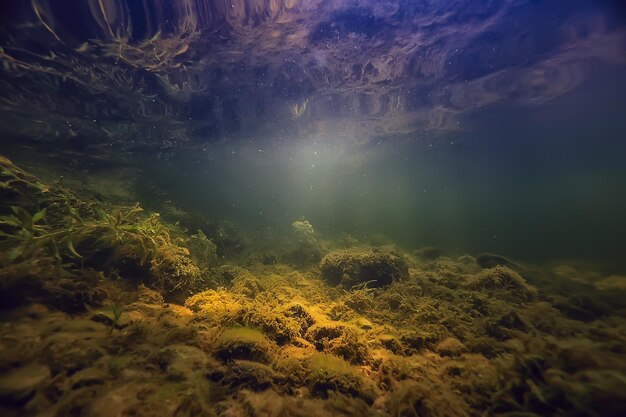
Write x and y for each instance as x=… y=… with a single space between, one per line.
x=352 y=267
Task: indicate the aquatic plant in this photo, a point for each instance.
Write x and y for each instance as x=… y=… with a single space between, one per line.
x=70 y=232
x=297 y=109
x=307 y=248
x=116 y=310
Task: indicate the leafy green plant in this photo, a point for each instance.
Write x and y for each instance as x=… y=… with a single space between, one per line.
x=117 y=310
x=71 y=229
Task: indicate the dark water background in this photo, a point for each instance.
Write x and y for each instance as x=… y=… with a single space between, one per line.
x=539 y=183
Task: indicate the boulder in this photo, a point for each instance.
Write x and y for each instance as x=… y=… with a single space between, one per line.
x=372 y=267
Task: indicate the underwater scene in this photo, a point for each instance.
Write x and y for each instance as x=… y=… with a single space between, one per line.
x=275 y=208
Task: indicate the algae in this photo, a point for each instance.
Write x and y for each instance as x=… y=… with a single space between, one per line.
x=202 y=334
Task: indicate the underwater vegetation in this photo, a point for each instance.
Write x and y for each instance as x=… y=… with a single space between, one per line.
x=109 y=310
x=48 y=231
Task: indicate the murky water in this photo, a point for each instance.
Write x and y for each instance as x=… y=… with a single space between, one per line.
x=277 y=208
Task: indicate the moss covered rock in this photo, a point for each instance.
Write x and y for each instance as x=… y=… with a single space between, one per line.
x=504 y=280
x=352 y=267
x=332 y=374
x=244 y=343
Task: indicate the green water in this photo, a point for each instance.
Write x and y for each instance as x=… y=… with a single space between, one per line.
x=537 y=184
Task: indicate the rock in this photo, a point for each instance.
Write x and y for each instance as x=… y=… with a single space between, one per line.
x=429 y=253
x=36 y=311
x=363 y=323
x=243 y=343
x=165 y=399
x=88 y=377
x=350 y=347
x=612 y=283
x=329 y=373
x=18 y=386
x=130 y=317
x=16 y=291
x=147 y=309
x=77 y=328
x=320 y=334
x=104 y=317
x=68 y=353
x=149 y=296
x=466 y=260
x=489 y=260
x=503 y=279
x=98 y=295
x=247 y=285
x=230 y=273
x=582 y=307
x=450 y=346
x=411 y=398
x=424 y=338
x=352 y=267
x=300 y=314
x=391 y=343
x=274 y=323
x=182 y=362
x=245 y=374
x=213 y=302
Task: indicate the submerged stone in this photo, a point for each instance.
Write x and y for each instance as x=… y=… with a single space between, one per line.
x=243 y=343
x=490 y=260
x=504 y=280
x=19 y=385
x=329 y=373
x=372 y=267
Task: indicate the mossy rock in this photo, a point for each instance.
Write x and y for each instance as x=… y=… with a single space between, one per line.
x=247 y=286
x=390 y=342
x=329 y=373
x=352 y=267
x=490 y=260
x=246 y=374
x=426 y=337
x=181 y=362
x=505 y=281
x=18 y=386
x=429 y=253
x=63 y=352
x=244 y=343
x=450 y=346
x=213 y=303
x=350 y=347
x=276 y=325
x=300 y=314
x=423 y=399
x=321 y=334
